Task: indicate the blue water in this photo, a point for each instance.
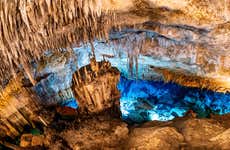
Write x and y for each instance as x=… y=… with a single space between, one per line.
x=70 y=103
x=150 y=100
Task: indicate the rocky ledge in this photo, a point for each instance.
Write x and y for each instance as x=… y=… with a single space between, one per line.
x=106 y=132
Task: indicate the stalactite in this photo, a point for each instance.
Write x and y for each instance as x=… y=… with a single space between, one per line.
x=41 y=25
x=226 y=10
x=191 y=80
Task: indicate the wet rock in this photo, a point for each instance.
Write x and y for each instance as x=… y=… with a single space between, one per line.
x=155 y=138
x=152 y=100
x=18 y=108
x=191 y=114
x=105 y=132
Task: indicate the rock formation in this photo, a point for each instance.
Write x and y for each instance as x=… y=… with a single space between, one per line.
x=112 y=133
x=181 y=41
x=95 y=87
x=54 y=77
x=192 y=35
x=18 y=108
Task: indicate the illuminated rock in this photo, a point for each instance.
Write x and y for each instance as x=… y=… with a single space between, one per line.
x=181 y=41
x=190 y=80
x=54 y=76
x=143 y=100
x=95 y=87
x=18 y=108
x=190 y=35
x=109 y=133
x=151 y=64
x=28 y=140
x=205 y=130
x=222 y=140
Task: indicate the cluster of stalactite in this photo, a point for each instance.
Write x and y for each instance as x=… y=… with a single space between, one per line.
x=189 y=48
x=190 y=80
x=30 y=27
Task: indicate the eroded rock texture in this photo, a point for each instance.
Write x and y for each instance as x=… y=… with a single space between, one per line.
x=111 y=133
x=207 y=129
x=18 y=106
x=155 y=138
x=29 y=28
x=95 y=87
x=222 y=140
x=54 y=77
x=190 y=35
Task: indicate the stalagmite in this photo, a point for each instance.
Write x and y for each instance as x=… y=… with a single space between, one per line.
x=96 y=91
x=182 y=41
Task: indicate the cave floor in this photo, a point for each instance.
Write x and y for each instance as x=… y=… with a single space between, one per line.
x=103 y=131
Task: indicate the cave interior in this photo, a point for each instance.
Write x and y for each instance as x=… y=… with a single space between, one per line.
x=109 y=74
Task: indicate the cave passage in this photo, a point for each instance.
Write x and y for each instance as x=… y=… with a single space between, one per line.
x=143 y=100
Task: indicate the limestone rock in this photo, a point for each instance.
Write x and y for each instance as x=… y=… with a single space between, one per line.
x=18 y=106
x=198 y=131
x=66 y=112
x=108 y=134
x=37 y=140
x=97 y=90
x=190 y=35
x=122 y=131
x=26 y=140
x=29 y=140
x=54 y=76
x=155 y=138
x=222 y=140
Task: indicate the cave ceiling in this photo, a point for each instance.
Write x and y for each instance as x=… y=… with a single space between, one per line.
x=192 y=36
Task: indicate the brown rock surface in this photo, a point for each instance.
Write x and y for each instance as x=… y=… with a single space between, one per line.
x=37 y=140
x=222 y=140
x=155 y=138
x=99 y=132
x=197 y=132
x=104 y=132
x=18 y=106
x=95 y=87
x=200 y=130
x=26 y=140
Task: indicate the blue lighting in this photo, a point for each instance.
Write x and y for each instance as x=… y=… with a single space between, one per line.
x=155 y=100
x=70 y=103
